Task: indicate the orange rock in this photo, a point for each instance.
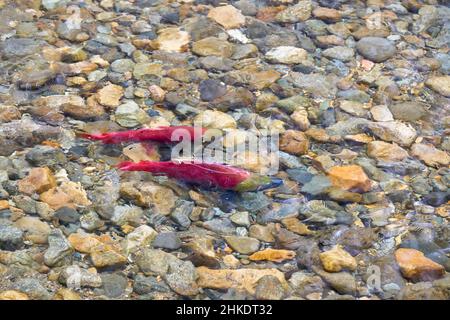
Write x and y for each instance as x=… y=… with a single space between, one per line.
x=38 y=180
x=272 y=255
x=83 y=243
x=241 y=279
x=68 y=194
x=416 y=267
x=102 y=249
x=4 y=204
x=336 y=259
x=294 y=142
x=351 y=177
x=294 y=225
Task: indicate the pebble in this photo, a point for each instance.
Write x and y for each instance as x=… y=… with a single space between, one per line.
x=430 y=154
x=110 y=95
x=244 y=245
x=140 y=237
x=386 y=151
x=227 y=16
x=287 y=55
x=340 y=53
x=381 y=113
x=375 y=49
x=408 y=111
x=296 y=13
x=129 y=115
x=337 y=259
x=34 y=229
x=351 y=177
x=272 y=255
x=11 y=238
x=440 y=84
x=211 y=89
x=269 y=288
x=415 y=266
x=167 y=240
x=294 y=142
x=212 y=46
x=244 y=279
x=58 y=248
x=32 y=288
x=215 y=119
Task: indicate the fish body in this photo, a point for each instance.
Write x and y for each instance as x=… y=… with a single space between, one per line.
x=160 y=134
x=206 y=174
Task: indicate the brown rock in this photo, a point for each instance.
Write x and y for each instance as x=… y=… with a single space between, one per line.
x=430 y=155
x=84 y=243
x=107 y=256
x=146 y=194
x=215 y=120
x=386 y=151
x=263 y=233
x=440 y=84
x=318 y=134
x=300 y=117
x=351 y=177
x=416 y=267
x=327 y=14
x=296 y=13
x=35 y=230
x=241 y=279
x=337 y=259
x=13 y=295
x=294 y=225
x=68 y=194
x=92 y=110
x=227 y=16
x=157 y=93
x=66 y=294
x=104 y=252
x=212 y=46
x=38 y=180
x=110 y=95
x=276 y=255
x=9 y=113
x=294 y=142
x=268 y=14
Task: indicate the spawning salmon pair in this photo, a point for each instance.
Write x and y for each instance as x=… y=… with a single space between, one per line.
x=205 y=174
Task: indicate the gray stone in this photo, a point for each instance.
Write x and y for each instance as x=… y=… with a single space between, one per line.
x=408 y=111
x=11 y=238
x=59 y=249
x=375 y=49
x=33 y=288
x=167 y=240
